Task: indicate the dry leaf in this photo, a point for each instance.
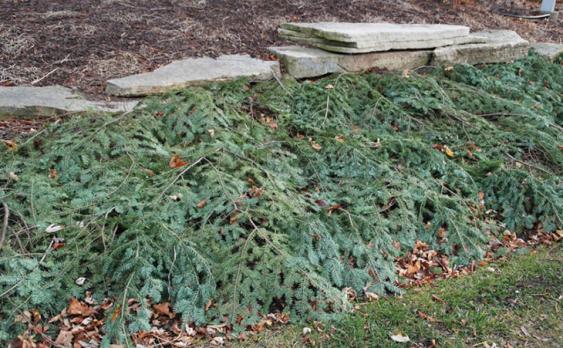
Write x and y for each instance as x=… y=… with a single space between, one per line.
x=53 y=228
x=53 y=174
x=425 y=316
x=12 y=146
x=339 y=138
x=116 y=313
x=163 y=309
x=371 y=296
x=413 y=268
x=64 y=339
x=233 y=219
x=315 y=145
x=13 y=176
x=76 y=307
x=350 y=294
x=448 y=151
x=190 y=331
x=482 y=199
x=202 y=203
x=58 y=243
x=441 y=233
x=375 y=144
x=400 y=338
x=208 y=305
x=176 y=162
x=176 y=197
x=218 y=341
x=149 y=172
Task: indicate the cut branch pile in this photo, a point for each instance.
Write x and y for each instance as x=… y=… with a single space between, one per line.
x=237 y=201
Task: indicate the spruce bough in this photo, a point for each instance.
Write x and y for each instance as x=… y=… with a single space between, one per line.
x=290 y=194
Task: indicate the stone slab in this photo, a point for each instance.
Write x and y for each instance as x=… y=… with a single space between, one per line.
x=502 y=46
x=547 y=6
x=549 y=50
x=333 y=46
x=193 y=72
x=305 y=62
x=370 y=35
x=52 y=100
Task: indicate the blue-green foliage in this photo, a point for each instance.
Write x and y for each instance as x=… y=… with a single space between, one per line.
x=282 y=216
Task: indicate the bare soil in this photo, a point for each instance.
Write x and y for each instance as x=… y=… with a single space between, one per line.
x=82 y=43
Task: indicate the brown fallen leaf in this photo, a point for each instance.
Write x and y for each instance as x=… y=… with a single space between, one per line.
x=76 y=307
x=163 y=309
x=12 y=146
x=448 y=151
x=425 y=316
x=413 y=268
x=116 y=312
x=441 y=233
x=202 y=203
x=64 y=339
x=53 y=174
x=339 y=138
x=176 y=162
x=315 y=145
x=371 y=296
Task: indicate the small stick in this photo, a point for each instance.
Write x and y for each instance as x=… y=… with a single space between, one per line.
x=5 y=225
x=44 y=77
x=527 y=164
x=179 y=176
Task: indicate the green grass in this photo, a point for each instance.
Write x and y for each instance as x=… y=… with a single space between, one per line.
x=516 y=303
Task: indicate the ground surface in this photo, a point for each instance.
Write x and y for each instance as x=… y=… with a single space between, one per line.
x=510 y=304
x=82 y=43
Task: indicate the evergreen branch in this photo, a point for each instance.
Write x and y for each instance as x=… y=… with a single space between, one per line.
x=184 y=171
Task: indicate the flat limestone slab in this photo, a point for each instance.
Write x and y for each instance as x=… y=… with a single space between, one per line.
x=549 y=50
x=305 y=62
x=52 y=100
x=193 y=72
x=333 y=46
x=502 y=46
x=373 y=35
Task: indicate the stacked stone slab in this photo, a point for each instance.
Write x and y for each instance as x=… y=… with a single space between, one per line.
x=355 y=38
x=502 y=46
x=354 y=47
x=304 y=62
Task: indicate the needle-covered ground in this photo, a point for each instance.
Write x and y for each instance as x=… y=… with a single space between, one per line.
x=239 y=200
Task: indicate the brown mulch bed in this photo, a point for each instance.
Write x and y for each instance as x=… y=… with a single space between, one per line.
x=82 y=43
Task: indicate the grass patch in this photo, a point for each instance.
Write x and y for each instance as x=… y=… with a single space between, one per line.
x=515 y=303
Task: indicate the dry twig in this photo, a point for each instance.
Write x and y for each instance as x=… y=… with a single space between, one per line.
x=5 y=224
